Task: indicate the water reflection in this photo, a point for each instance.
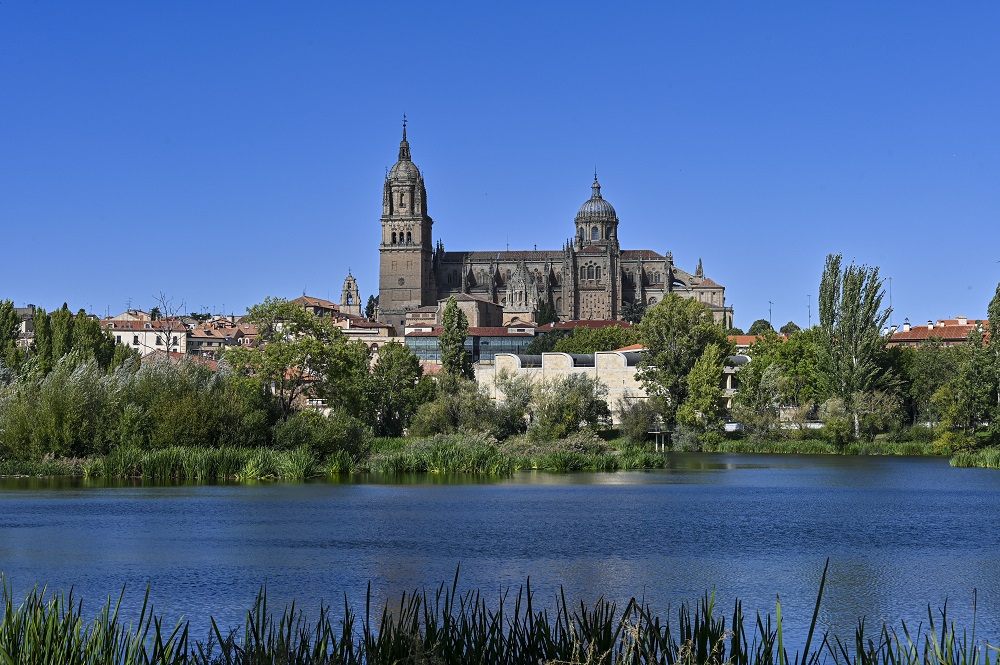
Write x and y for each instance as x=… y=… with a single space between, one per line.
x=900 y=533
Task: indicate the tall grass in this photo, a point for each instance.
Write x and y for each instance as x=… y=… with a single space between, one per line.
x=179 y=463
x=988 y=458
x=444 y=626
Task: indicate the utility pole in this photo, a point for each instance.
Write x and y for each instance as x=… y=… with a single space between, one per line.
x=769 y=305
x=809 y=307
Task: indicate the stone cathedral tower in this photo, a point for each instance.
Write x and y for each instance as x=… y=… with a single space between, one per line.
x=406 y=275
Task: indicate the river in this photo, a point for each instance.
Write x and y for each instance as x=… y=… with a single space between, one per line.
x=900 y=533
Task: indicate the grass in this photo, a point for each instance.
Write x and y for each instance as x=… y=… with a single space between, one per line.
x=987 y=458
x=821 y=447
x=179 y=463
x=443 y=626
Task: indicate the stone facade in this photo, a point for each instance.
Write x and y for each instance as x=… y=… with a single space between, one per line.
x=589 y=278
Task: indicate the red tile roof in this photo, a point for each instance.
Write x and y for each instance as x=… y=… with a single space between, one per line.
x=584 y=323
x=632 y=347
x=947 y=330
x=644 y=254
x=169 y=325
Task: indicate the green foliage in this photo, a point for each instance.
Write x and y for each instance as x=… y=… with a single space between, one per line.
x=546 y=312
x=460 y=406
x=395 y=389
x=789 y=328
x=636 y=418
x=371 y=307
x=852 y=345
x=634 y=311
x=837 y=427
x=590 y=340
x=325 y=436
x=10 y=324
x=562 y=406
x=757 y=403
x=302 y=354
x=965 y=401
x=760 y=327
x=675 y=332
x=512 y=410
x=455 y=359
x=43 y=341
x=545 y=342
x=702 y=409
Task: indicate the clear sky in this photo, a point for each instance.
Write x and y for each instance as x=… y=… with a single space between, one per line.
x=222 y=152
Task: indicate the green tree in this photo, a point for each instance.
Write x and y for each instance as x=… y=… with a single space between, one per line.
x=993 y=315
x=735 y=331
x=563 y=406
x=454 y=358
x=43 y=341
x=546 y=312
x=789 y=328
x=10 y=329
x=760 y=327
x=91 y=340
x=302 y=354
x=633 y=311
x=966 y=401
x=924 y=370
x=852 y=343
x=395 y=389
x=62 y=332
x=370 y=307
x=590 y=340
x=546 y=342
x=702 y=409
x=155 y=314
x=675 y=332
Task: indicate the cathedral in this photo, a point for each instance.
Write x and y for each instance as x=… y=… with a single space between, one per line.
x=590 y=277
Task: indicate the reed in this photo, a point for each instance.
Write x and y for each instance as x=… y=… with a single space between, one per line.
x=987 y=458
x=188 y=464
x=445 y=626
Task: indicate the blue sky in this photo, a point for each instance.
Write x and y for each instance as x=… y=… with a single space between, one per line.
x=222 y=152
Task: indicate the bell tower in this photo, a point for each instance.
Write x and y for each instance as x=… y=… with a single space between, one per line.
x=406 y=274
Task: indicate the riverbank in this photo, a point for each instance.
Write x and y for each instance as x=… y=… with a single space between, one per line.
x=446 y=626
x=443 y=454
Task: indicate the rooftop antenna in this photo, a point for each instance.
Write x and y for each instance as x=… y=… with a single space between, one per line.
x=890 y=302
x=809 y=306
x=769 y=305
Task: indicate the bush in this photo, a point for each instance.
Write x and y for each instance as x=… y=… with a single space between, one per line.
x=563 y=406
x=326 y=436
x=460 y=406
x=636 y=417
x=837 y=428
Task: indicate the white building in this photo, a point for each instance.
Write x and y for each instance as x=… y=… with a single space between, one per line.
x=149 y=336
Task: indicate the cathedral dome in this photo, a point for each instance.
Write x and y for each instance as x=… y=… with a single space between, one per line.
x=404 y=169
x=596 y=208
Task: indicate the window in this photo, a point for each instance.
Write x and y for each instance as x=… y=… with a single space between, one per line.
x=409 y=238
x=393 y=237
x=175 y=340
x=583 y=272
x=595 y=233
x=135 y=340
x=590 y=272
x=159 y=341
x=652 y=301
x=597 y=273
x=118 y=339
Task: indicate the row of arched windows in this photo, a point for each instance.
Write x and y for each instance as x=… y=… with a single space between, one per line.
x=590 y=272
x=400 y=239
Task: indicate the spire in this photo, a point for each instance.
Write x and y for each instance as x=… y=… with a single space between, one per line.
x=404 y=145
x=595 y=187
x=699 y=271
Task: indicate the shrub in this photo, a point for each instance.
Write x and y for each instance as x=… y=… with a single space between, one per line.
x=563 y=406
x=636 y=417
x=460 y=406
x=324 y=436
x=837 y=428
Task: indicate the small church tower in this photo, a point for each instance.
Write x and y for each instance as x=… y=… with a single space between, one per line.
x=350 y=296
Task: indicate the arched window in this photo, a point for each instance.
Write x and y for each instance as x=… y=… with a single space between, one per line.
x=590 y=272
x=393 y=237
x=583 y=272
x=595 y=233
x=449 y=279
x=409 y=238
x=401 y=204
x=558 y=305
x=597 y=272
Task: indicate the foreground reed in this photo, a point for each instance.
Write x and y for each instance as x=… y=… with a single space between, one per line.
x=445 y=626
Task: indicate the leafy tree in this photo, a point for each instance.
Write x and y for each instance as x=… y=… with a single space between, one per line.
x=371 y=307
x=454 y=358
x=735 y=331
x=562 y=406
x=924 y=370
x=395 y=389
x=155 y=314
x=546 y=342
x=633 y=311
x=852 y=344
x=460 y=406
x=675 y=332
x=636 y=418
x=702 y=410
x=967 y=399
x=61 y=322
x=757 y=403
x=590 y=340
x=789 y=328
x=10 y=329
x=993 y=316
x=546 y=312
x=43 y=341
x=760 y=327
x=302 y=354
x=91 y=340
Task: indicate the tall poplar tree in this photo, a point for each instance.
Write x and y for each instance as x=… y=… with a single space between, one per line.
x=993 y=315
x=454 y=358
x=43 y=340
x=851 y=321
x=62 y=332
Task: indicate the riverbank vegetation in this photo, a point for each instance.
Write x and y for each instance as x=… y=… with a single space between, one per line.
x=307 y=401
x=446 y=626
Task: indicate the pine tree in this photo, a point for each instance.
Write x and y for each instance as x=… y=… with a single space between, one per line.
x=546 y=312
x=370 y=307
x=454 y=358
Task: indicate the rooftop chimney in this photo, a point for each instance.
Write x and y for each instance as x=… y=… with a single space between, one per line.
x=962 y=321
x=930 y=325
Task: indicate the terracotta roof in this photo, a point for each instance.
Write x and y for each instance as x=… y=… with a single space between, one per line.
x=466 y=297
x=644 y=254
x=632 y=347
x=744 y=340
x=946 y=330
x=705 y=282
x=593 y=249
x=310 y=301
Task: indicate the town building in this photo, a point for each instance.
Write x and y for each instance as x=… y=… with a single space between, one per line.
x=589 y=277
x=950 y=332
x=168 y=335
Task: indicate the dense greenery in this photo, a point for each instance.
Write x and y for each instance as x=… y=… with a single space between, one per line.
x=455 y=359
x=444 y=626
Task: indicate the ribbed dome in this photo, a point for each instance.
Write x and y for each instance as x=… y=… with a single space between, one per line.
x=404 y=169
x=596 y=208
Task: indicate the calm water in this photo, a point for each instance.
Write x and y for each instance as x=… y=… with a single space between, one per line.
x=900 y=533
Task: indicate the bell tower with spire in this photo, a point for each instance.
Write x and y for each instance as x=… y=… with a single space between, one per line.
x=406 y=272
